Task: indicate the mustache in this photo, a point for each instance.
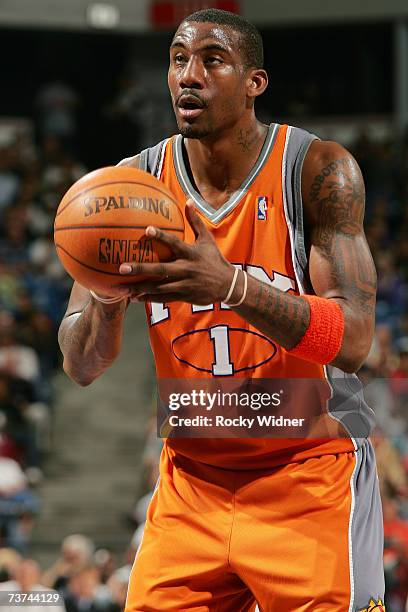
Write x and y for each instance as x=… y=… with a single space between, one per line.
x=193 y=94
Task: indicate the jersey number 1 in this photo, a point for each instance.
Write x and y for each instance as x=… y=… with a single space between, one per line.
x=222 y=365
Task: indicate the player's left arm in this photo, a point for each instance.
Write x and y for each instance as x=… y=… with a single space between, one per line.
x=341 y=267
x=336 y=324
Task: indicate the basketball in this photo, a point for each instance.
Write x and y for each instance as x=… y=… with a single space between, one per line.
x=101 y=222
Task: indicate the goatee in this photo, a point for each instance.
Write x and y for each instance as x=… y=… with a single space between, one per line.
x=190 y=131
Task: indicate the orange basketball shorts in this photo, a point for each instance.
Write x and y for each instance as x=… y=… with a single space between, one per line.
x=303 y=537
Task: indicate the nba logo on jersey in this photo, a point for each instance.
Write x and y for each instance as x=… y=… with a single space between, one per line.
x=262 y=207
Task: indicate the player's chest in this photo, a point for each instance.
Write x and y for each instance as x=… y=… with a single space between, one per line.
x=254 y=232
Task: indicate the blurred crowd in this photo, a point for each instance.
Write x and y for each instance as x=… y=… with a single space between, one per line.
x=37 y=165
x=86 y=578
x=33 y=292
x=385 y=373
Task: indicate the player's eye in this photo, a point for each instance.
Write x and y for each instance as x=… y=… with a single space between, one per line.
x=179 y=58
x=212 y=60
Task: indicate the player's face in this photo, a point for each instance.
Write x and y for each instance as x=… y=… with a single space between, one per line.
x=206 y=79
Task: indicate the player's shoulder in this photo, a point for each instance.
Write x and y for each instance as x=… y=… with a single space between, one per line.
x=327 y=166
x=323 y=155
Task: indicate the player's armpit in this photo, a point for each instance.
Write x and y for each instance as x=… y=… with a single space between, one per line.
x=340 y=263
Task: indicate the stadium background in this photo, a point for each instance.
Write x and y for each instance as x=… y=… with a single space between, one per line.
x=83 y=85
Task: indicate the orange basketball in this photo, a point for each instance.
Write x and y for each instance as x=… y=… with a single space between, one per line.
x=101 y=223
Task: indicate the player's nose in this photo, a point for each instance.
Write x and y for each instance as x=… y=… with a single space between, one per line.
x=192 y=77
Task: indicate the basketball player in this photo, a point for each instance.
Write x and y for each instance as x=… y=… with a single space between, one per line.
x=274 y=231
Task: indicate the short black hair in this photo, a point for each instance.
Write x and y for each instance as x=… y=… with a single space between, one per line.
x=251 y=41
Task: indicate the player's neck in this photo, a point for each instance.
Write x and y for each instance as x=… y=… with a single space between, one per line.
x=222 y=163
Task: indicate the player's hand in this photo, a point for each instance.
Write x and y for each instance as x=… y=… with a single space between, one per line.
x=200 y=274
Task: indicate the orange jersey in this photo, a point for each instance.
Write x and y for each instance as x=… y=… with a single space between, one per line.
x=254 y=232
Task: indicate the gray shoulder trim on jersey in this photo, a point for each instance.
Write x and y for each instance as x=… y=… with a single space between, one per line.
x=297 y=145
x=126 y=160
x=154 y=157
x=149 y=159
x=143 y=160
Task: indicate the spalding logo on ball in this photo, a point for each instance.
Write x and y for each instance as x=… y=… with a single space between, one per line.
x=101 y=222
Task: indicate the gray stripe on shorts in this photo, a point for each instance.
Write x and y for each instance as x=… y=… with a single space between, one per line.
x=366 y=538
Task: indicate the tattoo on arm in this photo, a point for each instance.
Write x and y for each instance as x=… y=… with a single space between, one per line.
x=90 y=340
x=342 y=267
x=281 y=316
x=338 y=194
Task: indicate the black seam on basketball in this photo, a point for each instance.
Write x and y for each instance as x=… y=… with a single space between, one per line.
x=115 y=183
x=85 y=227
x=90 y=267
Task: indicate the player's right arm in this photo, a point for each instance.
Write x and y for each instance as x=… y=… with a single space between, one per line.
x=90 y=334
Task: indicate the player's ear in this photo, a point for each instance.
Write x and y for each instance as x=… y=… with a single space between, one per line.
x=257 y=82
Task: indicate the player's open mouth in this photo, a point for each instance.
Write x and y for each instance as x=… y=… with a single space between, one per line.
x=190 y=107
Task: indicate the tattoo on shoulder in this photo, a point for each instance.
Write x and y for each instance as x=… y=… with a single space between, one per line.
x=333 y=168
x=339 y=192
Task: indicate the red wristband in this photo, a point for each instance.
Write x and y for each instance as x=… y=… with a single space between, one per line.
x=323 y=338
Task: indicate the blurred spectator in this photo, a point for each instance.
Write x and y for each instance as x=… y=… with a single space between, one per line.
x=118 y=586
x=18 y=506
x=9 y=561
x=395 y=556
x=57 y=103
x=16 y=359
x=85 y=592
x=138 y=514
x=122 y=119
x=399 y=377
x=391 y=471
x=14 y=243
x=381 y=358
x=391 y=291
x=105 y=561
x=17 y=426
x=380 y=398
x=9 y=178
x=76 y=552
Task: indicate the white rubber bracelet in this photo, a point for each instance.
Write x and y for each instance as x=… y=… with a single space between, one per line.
x=111 y=300
x=244 y=293
x=232 y=287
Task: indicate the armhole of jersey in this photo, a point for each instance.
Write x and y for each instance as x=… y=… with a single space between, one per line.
x=155 y=158
x=151 y=159
x=297 y=145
